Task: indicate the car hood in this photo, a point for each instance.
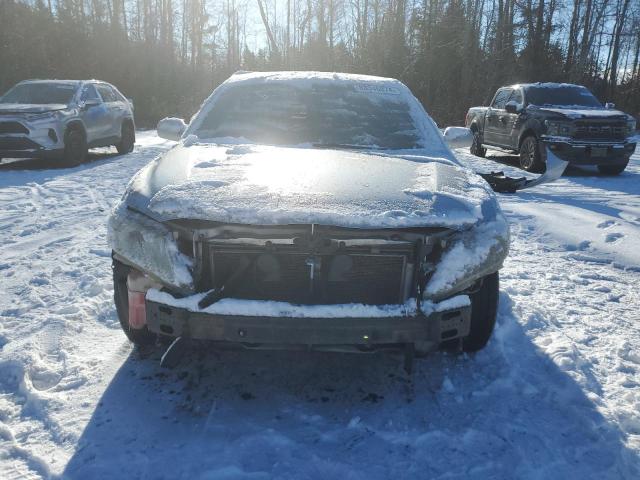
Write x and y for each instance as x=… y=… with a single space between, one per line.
x=30 y=108
x=579 y=113
x=271 y=185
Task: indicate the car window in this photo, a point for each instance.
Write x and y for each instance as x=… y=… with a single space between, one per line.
x=357 y=114
x=106 y=93
x=501 y=98
x=516 y=96
x=89 y=93
x=41 y=93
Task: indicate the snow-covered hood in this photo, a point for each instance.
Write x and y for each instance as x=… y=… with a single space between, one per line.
x=272 y=185
x=30 y=108
x=578 y=113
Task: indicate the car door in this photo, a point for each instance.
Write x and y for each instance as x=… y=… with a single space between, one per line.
x=494 y=125
x=94 y=114
x=512 y=119
x=111 y=101
x=120 y=109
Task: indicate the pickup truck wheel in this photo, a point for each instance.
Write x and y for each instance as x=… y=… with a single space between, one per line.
x=612 y=169
x=75 y=147
x=140 y=336
x=531 y=158
x=476 y=145
x=127 y=139
x=484 y=309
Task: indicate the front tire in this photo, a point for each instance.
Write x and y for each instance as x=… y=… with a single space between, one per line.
x=127 y=139
x=476 y=145
x=141 y=336
x=531 y=155
x=75 y=147
x=612 y=169
x=484 y=309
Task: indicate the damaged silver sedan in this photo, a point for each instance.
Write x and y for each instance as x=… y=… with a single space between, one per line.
x=308 y=210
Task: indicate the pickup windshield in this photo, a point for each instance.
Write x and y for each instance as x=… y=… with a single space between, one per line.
x=321 y=114
x=40 y=93
x=562 y=96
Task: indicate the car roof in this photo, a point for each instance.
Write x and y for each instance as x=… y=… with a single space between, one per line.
x=302 y=76
x=543 y=85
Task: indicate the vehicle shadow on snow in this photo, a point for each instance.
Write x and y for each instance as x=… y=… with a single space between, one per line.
x=507 y=412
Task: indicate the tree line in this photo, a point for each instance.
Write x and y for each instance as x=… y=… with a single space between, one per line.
x=169 y=54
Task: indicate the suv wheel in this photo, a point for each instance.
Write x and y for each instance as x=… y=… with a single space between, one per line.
x=484 y=309
x=75 y=147
x=140 y=336
x=127 y=139
x=612 y=169
x=531 y=157
x=476 y=145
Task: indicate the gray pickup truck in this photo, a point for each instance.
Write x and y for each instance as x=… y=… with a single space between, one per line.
x=61 y=119
x=568 y=118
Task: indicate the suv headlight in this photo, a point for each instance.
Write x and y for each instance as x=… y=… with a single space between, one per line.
x=631 y=126
x=42 y=116
x=561 y=129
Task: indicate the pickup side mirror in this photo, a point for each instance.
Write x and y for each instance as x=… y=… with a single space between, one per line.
x=609 y=106
x=513 y=107
x=130 y=100
x=458 y=137
x=171 y=128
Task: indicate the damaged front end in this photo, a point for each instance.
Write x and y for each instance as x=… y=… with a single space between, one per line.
x=306 y=286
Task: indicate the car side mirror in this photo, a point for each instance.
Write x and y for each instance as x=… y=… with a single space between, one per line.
x=171 y=128
x=458 y=137
x=609 y=106
x=130 y=100
x=512 y=107
x=92 y=102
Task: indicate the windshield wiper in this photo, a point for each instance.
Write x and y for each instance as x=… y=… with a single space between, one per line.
x=346 y=146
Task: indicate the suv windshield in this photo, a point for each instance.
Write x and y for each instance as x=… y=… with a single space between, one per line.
x=322 y=114
x=565 y=96
x=40 y=93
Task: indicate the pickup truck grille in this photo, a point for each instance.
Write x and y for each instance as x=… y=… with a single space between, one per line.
x=343 y=277
x=599 y=130
x=13 y=127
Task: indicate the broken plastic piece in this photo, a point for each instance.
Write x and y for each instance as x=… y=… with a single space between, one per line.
x=500 y=183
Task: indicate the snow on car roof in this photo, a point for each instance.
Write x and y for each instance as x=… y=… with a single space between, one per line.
x=545 y=85
x=305 y=76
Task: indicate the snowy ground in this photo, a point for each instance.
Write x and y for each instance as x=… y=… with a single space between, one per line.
x=556 y=394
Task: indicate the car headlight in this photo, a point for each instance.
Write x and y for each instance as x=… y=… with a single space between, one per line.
x=37 y=117
x=150 y=247
x=561 y=129
x=469 y=256
x=631 y=126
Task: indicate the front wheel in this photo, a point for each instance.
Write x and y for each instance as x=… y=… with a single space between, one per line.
x=531 y=155
x=127 y=139
x=75 y=147
x=612 y=169
x=476 y=145
x=484 y=309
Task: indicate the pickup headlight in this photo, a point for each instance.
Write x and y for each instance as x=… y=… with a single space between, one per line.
x=631 y=126
x=559 y=129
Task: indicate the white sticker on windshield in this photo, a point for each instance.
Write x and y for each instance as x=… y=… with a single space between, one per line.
x=375 y=88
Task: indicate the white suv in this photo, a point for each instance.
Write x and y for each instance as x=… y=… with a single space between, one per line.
x=62 y=119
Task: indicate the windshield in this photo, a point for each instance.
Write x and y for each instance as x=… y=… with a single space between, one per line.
x=352 y=115
x=569 y=96
x=40 y=93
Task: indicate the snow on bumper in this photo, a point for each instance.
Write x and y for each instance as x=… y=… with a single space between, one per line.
x=148 y=246
x=267 y=322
